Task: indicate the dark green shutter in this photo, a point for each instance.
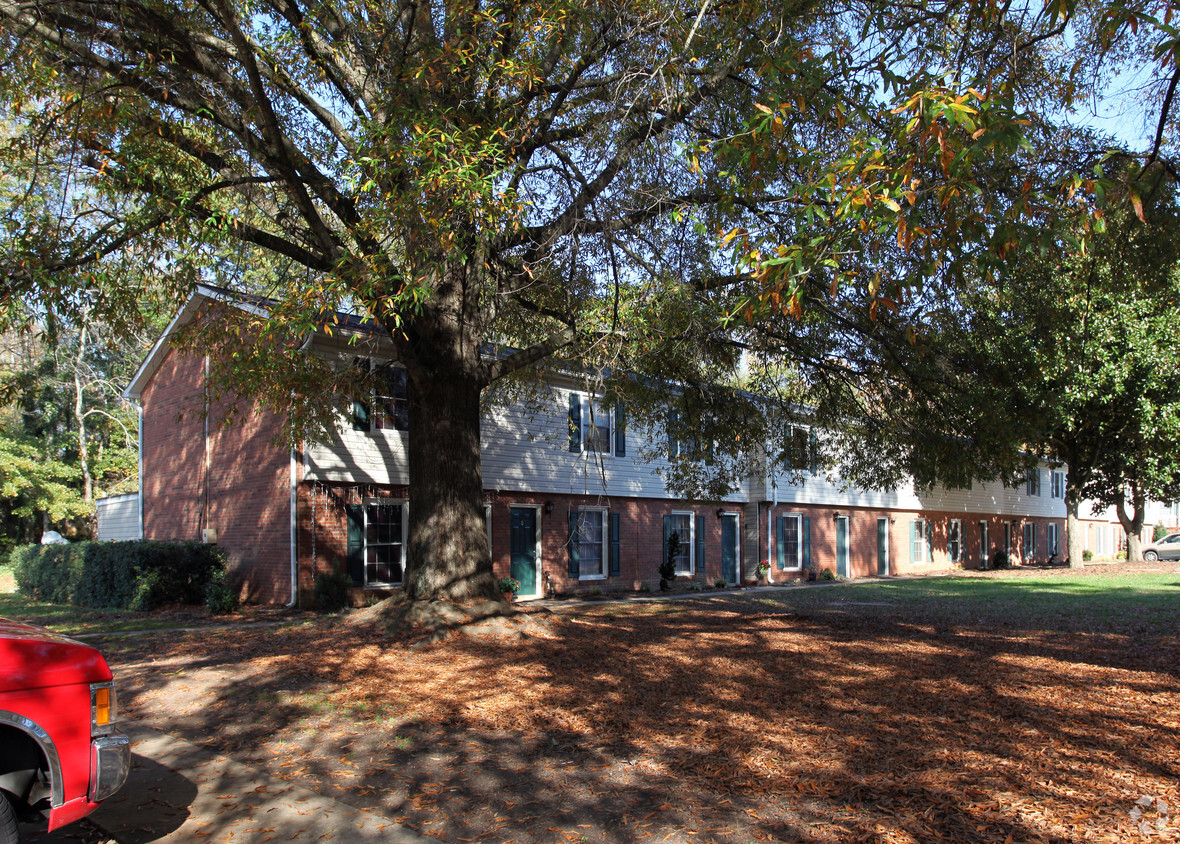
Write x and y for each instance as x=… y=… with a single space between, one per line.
x=355 y=513
x=700 y=543
x=360 y=416
x=673 y=445
x=575 y=568
x=806 y=541
x=667 y=535
x=620 y=431
x=614 y=544
x=779 y=537
x=575 y=422
x=812 y=451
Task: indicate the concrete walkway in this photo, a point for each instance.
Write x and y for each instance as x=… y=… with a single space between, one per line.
x=180 y=792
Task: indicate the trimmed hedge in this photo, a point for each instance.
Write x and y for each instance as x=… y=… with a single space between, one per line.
x=135 y=575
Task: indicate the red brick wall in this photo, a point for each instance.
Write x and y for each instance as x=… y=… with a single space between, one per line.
x=245 y=494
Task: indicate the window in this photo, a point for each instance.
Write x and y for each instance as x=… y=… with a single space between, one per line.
x=1057 y=482
x=801 y=451
x=590 y=538
x=1032 y=484
x=388 y=405
x=391 y=405
x=1030 y=540
x=681 y=525
x=1051 y=546
x=920 y=541
x=790 y=548
x=596 y=426
x=385 y=543
x=954 y=541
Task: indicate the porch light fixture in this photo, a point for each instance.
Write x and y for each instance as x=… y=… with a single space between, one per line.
x=548 y=508
x=720 y=512
x=835 y=517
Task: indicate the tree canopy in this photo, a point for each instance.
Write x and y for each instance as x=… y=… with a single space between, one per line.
x=647 y=185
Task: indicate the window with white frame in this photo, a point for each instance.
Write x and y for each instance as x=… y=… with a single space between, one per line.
x=388 y=403
x=595 y=425
x=385 y=542
x=681 y=524
x=1032 y=483
x=591 y=540
x=1057 y=481
x=1051 y=542
x=790 y=551
x=920 y=541
x=954 y=540
x=1030 y=540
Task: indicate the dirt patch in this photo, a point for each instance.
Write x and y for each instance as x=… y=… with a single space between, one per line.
x=726 y=720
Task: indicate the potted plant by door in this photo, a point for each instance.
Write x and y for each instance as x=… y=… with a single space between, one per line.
x=508 y=586
x=763 y=570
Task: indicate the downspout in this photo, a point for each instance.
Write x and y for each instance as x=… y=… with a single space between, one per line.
x=294 y=555
x=139 y=418
x=294 y=492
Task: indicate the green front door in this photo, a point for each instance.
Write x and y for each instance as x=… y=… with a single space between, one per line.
x=882 y=547
x=523 y=546
x=842 y=546
x=729 y=550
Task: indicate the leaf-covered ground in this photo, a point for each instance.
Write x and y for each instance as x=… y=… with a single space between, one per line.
x=850 y=713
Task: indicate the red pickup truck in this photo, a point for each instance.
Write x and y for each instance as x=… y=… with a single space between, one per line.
x=59 y=752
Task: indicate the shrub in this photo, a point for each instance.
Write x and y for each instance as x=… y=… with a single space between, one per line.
x=720 y=583
x=1159 y=533
x=138 y=575
x=48 y=573
x=999 y=560
x=332 y=590
x=220 y=597
x=1087 y=555
x=827 y=574
x=508 y=584
x=645 y=587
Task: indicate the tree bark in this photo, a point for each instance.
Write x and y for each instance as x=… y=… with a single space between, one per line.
x=1133 y=523
x=448 y=557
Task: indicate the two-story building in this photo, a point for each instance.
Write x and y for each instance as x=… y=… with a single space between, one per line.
x=571 y=503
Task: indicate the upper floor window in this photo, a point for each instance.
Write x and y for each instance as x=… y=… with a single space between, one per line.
x=1057 y=479
x=388 y=404
x=596 y=425
x=1032 y=483
x=802 y=449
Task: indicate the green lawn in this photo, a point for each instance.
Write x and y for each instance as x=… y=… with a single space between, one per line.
x=1147 y=604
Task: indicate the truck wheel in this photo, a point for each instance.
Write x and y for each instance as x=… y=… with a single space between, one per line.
x=9 y=834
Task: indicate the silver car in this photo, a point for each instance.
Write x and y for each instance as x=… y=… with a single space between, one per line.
x=1167 y=548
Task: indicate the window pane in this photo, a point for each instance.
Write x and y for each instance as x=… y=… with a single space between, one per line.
x=597 y=432
x=590 y=545
x=791 y=541
x=682 y=525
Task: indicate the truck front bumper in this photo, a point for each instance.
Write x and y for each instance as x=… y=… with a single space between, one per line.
x=110 y=761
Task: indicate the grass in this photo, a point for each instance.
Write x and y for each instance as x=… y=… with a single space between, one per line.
x=1124 y=604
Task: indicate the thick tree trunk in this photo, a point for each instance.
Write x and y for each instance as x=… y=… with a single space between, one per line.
x=1075 y=542
x=1133 y=523
x=447 y=557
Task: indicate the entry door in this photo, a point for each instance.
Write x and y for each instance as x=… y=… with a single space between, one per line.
x=729 y=547
x=882 y=547
x=524 y=548
x=842 y=546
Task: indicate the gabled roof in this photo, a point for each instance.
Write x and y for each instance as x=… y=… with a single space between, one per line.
x=204 y=294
